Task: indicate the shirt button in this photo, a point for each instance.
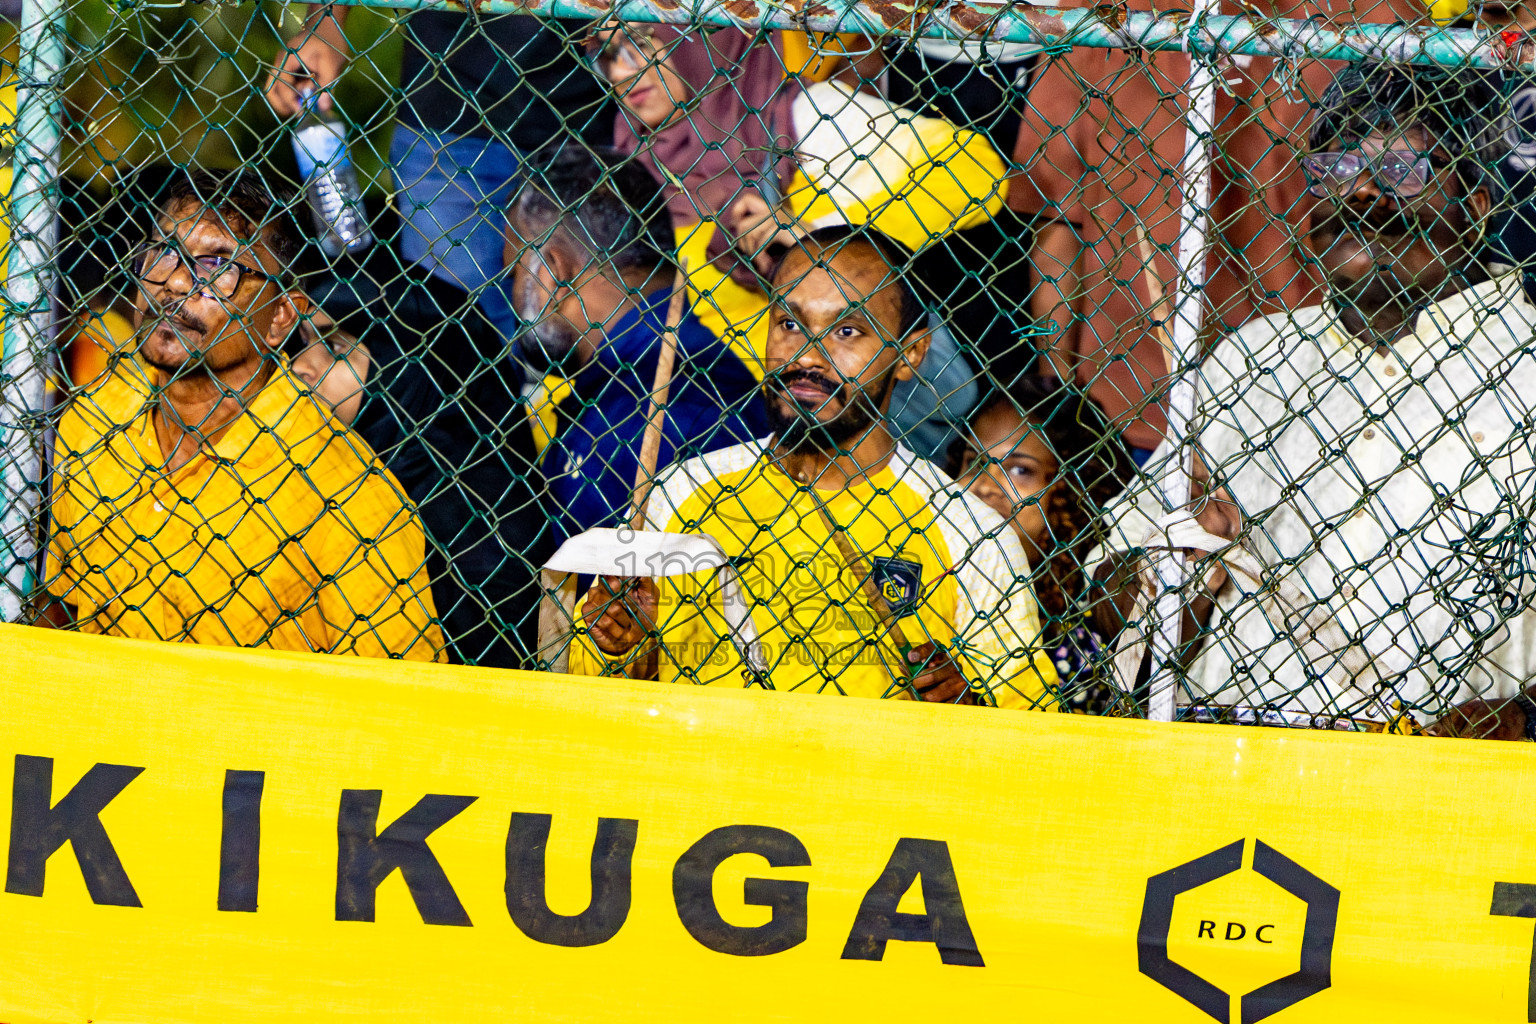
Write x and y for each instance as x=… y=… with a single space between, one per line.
x=1478 y=437
x=1347 y=591
x=1369 y=433
x=1359 y=513
x=1390 y=371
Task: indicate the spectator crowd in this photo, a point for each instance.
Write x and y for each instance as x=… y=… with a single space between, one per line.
x=860 y=356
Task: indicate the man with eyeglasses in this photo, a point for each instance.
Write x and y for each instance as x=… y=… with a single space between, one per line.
x=1362 y=533
x=201 y=494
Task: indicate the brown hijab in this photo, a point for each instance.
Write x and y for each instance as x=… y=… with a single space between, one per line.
x=738 y=121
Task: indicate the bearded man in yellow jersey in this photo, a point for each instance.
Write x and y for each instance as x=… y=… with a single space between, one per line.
x=866 y=571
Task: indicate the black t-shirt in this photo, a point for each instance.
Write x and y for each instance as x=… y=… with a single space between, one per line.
x=1513 y=238
x=441 y=409
x=505 y=76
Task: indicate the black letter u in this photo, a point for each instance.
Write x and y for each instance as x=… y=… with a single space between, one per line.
x=612 y=855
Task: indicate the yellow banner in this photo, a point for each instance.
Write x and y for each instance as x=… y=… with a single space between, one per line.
x=201 y=834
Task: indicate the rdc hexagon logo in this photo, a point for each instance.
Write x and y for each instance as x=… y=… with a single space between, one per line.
x=1247 y=924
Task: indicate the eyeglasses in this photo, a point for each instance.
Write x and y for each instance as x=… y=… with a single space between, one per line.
x=1396 y=172
x=624 y=50
x=214 y=276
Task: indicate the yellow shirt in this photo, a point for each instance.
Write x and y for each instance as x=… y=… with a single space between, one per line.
x=290 y=536
x=950 y=568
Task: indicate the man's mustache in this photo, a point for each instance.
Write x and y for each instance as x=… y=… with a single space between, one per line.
x=821 y=382
x=1378 y=220
x=173 y=314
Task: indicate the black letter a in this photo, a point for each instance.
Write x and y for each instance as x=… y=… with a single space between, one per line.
x=943 y=919
x=365 y=856
x=37 y=831
x=612 y=854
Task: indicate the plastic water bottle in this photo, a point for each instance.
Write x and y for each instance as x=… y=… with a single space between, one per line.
x=330 y=180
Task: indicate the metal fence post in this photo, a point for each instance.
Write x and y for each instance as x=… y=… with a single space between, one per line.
x=32 y=215
x=1188 y=316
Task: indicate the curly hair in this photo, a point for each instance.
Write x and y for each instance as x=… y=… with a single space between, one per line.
x=1091 y=460
x=1463 y=111
x=608 y=206
x=245 y=202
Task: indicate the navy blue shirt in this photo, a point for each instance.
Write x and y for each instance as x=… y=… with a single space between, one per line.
x=715 y=402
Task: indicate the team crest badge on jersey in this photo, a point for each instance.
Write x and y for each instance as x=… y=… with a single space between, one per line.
x=899 y=581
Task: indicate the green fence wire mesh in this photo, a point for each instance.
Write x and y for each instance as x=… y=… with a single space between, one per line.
x=1117 y=360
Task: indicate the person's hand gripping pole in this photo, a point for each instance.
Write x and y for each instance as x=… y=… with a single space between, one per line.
x=620 y=612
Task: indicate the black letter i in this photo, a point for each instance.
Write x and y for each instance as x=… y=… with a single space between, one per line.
x=240 y=846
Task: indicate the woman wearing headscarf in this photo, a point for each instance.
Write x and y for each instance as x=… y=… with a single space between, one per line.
x=750 y=159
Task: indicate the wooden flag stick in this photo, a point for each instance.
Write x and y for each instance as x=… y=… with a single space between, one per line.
x=656 y=414
x=1155 y=291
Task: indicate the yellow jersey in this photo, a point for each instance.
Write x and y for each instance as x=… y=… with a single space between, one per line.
x=949 y=569
x=288 y=534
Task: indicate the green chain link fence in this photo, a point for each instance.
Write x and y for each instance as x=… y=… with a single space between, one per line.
x=1287 y=479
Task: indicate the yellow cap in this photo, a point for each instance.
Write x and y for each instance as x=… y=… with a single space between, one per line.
x=1445 y=12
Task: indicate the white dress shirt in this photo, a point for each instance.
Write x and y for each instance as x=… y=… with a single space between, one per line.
x=1393 y=489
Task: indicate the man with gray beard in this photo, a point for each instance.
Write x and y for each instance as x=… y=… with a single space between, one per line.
x=588 y=242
